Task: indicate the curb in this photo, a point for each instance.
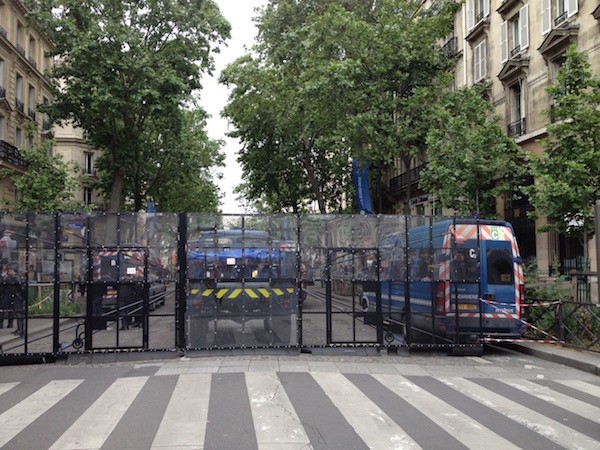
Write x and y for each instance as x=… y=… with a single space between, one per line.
x=586 y=366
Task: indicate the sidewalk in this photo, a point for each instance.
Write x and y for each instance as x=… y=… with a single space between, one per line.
x=584 y=360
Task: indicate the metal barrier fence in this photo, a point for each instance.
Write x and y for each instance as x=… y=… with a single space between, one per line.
x=99 y=282
x=572 y=323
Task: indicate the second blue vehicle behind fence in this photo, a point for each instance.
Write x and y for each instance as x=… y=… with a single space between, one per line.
x=455 y=280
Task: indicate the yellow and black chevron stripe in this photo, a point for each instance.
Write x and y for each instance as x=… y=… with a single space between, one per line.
x=253 y=293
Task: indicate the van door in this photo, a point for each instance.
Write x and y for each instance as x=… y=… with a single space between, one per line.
x=498 y=277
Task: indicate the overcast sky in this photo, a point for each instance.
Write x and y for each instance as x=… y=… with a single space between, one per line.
x=239 y=13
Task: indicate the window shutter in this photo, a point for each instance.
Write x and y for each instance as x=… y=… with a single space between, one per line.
x=504 y=42
x=470 y=15
x=476 y=52
x=573 y=6
x=486 y=8
x=483 y=62
x=524 y=26
x=546 y=19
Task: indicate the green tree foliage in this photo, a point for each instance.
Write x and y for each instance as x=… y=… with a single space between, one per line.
x=567 y=174
x=49 y=184
x=125 y=66
x=177 y=170
x=471 y=160
x=331 y=81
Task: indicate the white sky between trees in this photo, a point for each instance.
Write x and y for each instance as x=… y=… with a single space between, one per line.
x=214 y=96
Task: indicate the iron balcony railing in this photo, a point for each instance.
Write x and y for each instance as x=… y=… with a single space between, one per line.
x=451 y=47
x=3 y=32
x=21 y=50
x=2 y=92
x=31 y=113
x=11 y=154
x=33 y=62
x=516 y=128
x=403 y=180
x=515 y=51
x=561 y=18
x=479 y=17
x=19 y=105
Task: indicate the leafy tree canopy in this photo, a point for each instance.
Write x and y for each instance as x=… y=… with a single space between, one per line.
x=331 y=81
x=126 y=65
x=567 y=174
x=471 y=160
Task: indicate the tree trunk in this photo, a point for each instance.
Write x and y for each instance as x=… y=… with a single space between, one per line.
x=116 y=190
x=312 y=179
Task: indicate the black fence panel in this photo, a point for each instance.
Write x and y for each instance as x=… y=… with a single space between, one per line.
x=89 y=282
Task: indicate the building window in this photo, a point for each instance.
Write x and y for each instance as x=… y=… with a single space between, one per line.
x=89 y=161
x=2 y=19
x=20 y=30
x=479 y=62
x=514 y=34
x=32 y=52
x=517 y=116
x=477 y=10
x=31 y=102
x=2 y=87
x=19 y=93
x=87 y=195
x=19 y=137
x=555 y=12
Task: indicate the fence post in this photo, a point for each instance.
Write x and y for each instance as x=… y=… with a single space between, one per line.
x=181 y=291
x=597 y=238
x=559 y=321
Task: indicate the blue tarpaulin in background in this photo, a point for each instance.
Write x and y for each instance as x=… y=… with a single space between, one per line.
x=360 y=173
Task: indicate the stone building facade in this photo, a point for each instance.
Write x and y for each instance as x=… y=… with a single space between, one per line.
x=518 y=47
x=23 y=86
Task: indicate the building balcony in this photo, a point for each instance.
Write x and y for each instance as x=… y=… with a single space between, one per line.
x=21 y=50
x=403 y=180
x=515 y=51
x=3 y=32
x=10 y=154
x=2 y=92
x=31 y=114
x=33 y=62
x=516 y=128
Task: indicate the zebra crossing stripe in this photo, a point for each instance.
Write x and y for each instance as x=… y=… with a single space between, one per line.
x=5 y=387
x=184 y=421
x=22 y=415
x=556 y=398
x=105 y=413
x=587 y=388
x=275 y=421
x=549 y=428
x=461 y=426
x=373 y=426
